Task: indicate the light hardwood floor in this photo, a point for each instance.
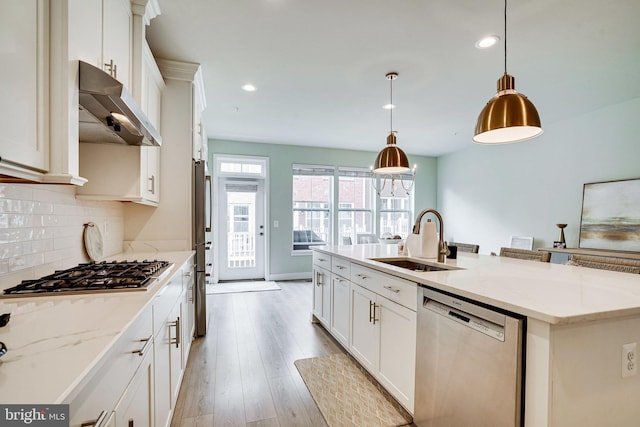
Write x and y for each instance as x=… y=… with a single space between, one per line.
x=242 y=373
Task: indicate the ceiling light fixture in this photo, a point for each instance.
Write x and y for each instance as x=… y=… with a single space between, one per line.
x=392 y=162
x=249 y=87
x=487 y=42
x=509 y=116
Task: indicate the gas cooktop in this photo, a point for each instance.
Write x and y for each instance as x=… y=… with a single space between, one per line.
x=112 y=276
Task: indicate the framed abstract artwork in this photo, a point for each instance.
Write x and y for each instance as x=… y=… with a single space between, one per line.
x=611 y=216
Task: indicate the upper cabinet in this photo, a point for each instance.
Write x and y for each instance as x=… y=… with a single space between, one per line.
x=200 y=140
x=42 y=41
x=104 y=29
x=24 y=150
x=118 y=172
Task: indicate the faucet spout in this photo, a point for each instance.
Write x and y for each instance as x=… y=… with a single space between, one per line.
x=442 y=246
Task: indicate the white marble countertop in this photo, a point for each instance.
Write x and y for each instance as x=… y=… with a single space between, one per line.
x=553 y=293
x=54 y=343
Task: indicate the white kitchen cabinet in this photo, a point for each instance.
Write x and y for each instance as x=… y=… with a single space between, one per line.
x=99 y=396
x=106 y=29
x=167 y=349
x=365 y=335
x=322 y=295
x=135 y=408
x=188 y=309
x=200 y=142
x=120 y=172
x=24 y=149
x=397 y=352
x=152 y=86
x=340 y=319
x=383 y=340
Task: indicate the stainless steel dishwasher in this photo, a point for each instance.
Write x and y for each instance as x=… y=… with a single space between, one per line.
x=469 y=364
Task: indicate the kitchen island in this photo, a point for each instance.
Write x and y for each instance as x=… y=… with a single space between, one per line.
x=63 y=348
x=577 y=319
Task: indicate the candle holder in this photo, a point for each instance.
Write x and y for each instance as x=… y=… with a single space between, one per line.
x=561 y=242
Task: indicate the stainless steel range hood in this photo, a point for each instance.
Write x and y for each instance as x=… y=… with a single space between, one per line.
x=108 y=112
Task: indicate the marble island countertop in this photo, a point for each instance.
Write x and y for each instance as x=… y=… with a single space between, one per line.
x=55 y=343
x=553 y=293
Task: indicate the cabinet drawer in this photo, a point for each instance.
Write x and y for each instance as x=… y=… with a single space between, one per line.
x=103 y=391
x=402 y=291
x=165 y=300
x=341 y=267
x=322 y=260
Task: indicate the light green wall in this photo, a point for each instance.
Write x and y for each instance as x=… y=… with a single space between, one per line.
x=489 y=193
x=281 y=157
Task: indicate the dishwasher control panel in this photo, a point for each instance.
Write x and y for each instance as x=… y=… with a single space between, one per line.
x=484 y=326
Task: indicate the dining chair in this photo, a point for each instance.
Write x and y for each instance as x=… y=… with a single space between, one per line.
x=346 y=241
x=606 y=263
x=465 y=247
x=526 y=254
x=366 y=238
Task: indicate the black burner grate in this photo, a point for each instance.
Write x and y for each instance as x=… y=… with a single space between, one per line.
x=94 y=276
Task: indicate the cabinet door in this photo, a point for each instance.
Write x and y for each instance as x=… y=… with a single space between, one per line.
x=175 y=352
x=317 y=292
x=162 y=376
x=188 y=314
x=24 y=118
x=396 y=361
x=364 y=332
x=149 y=174
x=135 y=409
x=326 y=298
x=340 y=309
x=116 y=39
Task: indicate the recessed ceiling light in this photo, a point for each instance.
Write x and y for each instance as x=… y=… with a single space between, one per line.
x=487 y=42
x=249 y=87
x=388 y=106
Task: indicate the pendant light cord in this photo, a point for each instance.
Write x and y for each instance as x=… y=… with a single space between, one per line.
x=391 y=106
x=505 y=36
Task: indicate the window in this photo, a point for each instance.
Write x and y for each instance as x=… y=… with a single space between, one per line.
x=312 y=206
x=396 y=209
x=355 y=204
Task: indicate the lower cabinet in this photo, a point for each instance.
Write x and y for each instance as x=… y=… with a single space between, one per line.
x=322 y=295
x=167 y=352
x=139 y=382
x=340 y=309
x=135 y=408
x=383 y=340
x=373 y=315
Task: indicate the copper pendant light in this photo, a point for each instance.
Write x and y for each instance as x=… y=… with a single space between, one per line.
x=509 y=116
x=391 y=160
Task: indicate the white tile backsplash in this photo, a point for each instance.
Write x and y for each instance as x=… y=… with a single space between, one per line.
x=41 y=229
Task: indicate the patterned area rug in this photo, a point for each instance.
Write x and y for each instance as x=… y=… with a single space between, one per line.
x=255 y=286
x=347 y=395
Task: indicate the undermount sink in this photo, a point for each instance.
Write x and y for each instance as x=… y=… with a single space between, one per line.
x=411 y=264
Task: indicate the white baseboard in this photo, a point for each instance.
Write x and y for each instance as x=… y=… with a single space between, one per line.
x=291 y=276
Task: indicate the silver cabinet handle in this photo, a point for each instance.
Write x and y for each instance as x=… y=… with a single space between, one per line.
x=97 y=422
x=322 y=259
x=392 y=289
x=341 y=267
x=371 y=314
x=152 y=182
x=175 y=323
x=112 y=68
x=362 y=276
x=147 y=342
x=374 y=313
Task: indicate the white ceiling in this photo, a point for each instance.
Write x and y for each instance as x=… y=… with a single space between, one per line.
x=320 y=65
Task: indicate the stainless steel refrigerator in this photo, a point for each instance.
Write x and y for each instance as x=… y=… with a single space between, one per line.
x=201 y=242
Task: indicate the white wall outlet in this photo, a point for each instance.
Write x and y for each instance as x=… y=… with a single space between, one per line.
x=629 y=362
x=276 y=223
